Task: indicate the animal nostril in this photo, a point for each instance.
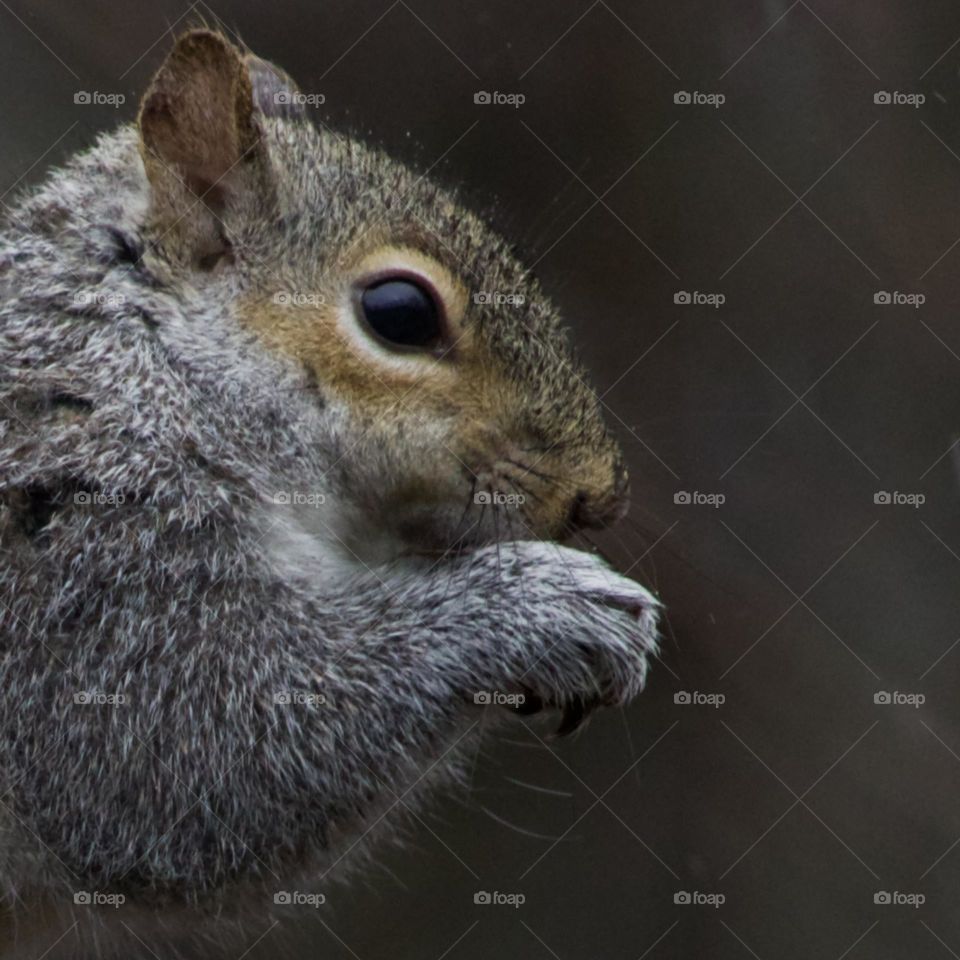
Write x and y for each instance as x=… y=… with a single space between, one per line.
x=587 y=511
x=578 y=510
x=604 y=498
x=597 y=512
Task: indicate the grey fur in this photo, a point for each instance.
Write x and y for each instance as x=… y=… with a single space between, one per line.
x=130 y=378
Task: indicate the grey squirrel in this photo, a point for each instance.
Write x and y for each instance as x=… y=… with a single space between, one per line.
x=279 y=493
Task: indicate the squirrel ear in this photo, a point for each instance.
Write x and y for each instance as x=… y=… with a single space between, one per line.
x=200 y=139
x=196 y=119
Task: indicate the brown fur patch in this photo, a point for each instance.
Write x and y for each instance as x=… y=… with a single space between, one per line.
x=319 y=331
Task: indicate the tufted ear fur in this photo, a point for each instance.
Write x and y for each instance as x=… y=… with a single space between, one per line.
x=200 y=138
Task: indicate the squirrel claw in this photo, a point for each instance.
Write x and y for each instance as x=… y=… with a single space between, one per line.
x=530 y=704
x=576 y=714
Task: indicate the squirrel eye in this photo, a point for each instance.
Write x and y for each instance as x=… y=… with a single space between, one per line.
x=403 y=313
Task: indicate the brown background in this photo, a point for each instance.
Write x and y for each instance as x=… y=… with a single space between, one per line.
x=798 y=399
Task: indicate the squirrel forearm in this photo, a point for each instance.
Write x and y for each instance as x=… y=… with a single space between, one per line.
x=417 y=651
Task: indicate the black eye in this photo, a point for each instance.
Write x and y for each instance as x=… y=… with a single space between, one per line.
x=403 y=313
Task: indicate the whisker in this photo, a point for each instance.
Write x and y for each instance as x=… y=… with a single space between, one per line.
x=496 y=535
x=538 y=789
x=652 y=537
x=516 y=829
x=457 y=544
x=466 y=510
x=559 y=445
x=517 y=485
x=549 y=477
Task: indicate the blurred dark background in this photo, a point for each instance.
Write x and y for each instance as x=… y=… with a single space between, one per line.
x=798 y=799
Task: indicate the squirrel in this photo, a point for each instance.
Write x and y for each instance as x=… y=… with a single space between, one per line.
x=282 y=497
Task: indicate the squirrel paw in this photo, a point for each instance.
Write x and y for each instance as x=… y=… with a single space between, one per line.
x=593 y=628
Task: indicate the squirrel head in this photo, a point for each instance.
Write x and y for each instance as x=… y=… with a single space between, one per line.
x=462 y=414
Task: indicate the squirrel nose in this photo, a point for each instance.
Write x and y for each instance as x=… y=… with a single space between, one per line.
x=596 y=510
